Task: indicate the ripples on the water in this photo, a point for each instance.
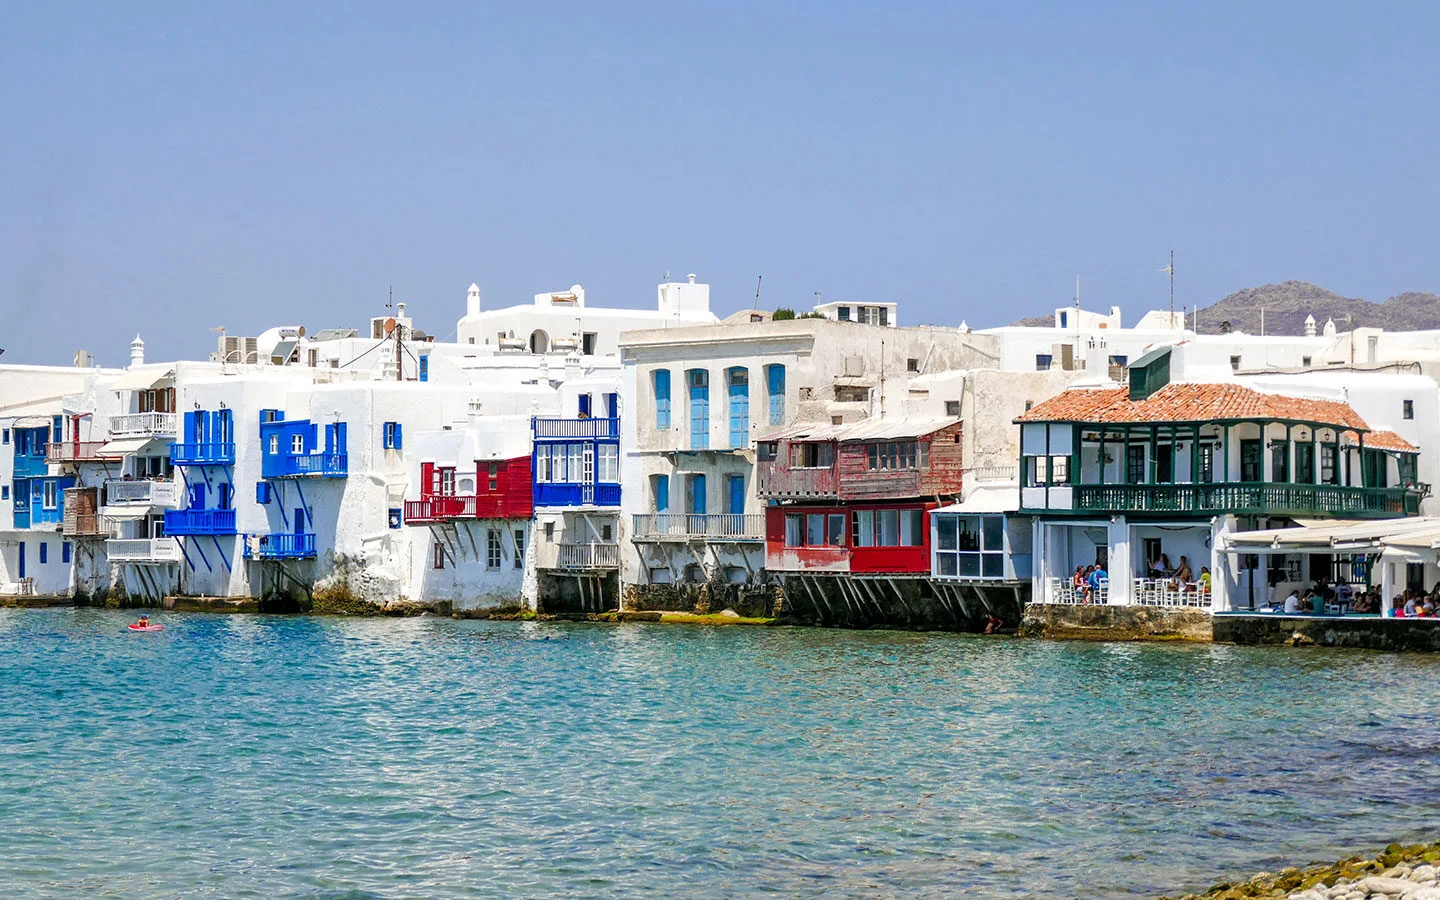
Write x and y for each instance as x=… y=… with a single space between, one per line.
x=264 y=757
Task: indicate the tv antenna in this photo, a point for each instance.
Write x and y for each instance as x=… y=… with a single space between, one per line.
x=757 y=290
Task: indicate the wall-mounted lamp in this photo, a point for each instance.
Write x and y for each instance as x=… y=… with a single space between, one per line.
x=222 y=404
x=197 y=404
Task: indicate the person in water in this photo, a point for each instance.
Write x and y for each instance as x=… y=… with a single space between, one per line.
x=144 y=620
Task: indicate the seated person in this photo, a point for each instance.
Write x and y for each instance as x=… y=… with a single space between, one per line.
x=1183 y=575
x=1411 y=607
x=1292 y=602
x=1205 y=579
x=1317 y=602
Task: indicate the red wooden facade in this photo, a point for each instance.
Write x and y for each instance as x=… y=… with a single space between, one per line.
x=858 y=538
x=861 y=468
x=502 y=491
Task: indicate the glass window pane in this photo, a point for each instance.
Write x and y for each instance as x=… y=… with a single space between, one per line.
x=889 y=528
x=864 y=528
x=815 y=530
x=969 y=565
x=910 y=528
x=947 y=527
x=993 y=565
x=994 y=529
x=836 y=535
x=793 y=535
x=947 y=563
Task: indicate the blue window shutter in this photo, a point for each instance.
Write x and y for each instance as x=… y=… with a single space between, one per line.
x=44 y=552
x=662 y=493
x=65 y=551
x=399 y=440
x=697 y=495
x=612 y=405
x=584 y=405
x=425 y=368
x=662 y=399
x=340 y=437
x=262 y=492
x=57 y=430
x=775 y=382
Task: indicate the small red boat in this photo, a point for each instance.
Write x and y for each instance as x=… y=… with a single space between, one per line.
x=146 y=627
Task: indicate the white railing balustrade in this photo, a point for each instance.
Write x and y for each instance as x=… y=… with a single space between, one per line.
x=700 y=526
x=142 y=493
x=588 y=556
x=155 y=550
x=160 y=423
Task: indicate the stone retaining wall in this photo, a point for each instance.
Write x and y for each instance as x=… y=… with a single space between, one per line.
x=906 y=602
x=701 y=599
x=1367 y=634
x=1116 y=623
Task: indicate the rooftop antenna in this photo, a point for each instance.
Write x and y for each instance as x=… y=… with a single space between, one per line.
x=758 y=279
x=1077 y=311
x=1170 y=270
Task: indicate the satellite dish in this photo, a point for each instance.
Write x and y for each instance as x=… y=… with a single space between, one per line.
x=389 y=325
x=301 y=331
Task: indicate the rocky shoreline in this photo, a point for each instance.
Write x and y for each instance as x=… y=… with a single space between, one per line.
x=1399 y=873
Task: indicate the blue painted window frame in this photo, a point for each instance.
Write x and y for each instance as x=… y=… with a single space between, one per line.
x=698 y=384
x=393 y=436
x=661 y=380
x=775 y=387
x=737 y=380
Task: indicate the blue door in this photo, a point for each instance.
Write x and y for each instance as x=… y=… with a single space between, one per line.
x=662 y=493
x=584 y=406
x=697 y=495
x=735 y=498
x=775 y=386
x=299 y=520
x=22 y=559
x=197 y=495
x=739 y=407
x=699 y=381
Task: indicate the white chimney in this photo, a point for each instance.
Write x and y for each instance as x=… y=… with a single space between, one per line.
x=137 y=352
x=472 y=301
x=691 y=277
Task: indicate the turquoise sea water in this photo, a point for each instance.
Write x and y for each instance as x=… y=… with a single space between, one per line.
x=294 y=757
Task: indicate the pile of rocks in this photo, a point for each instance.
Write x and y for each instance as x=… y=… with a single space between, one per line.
x=1400 y=873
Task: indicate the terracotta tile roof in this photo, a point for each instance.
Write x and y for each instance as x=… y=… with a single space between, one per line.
x=1190 y=403
x=1389 y=440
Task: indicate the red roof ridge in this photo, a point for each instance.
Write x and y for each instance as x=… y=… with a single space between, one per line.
x=1192 y=402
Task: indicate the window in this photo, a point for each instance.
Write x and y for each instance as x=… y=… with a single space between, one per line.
x=65 y=552
x=1207 y=463
x=542 y=464
x=1304 y=463
x=1279 y=460
x=765 y=451
x=1043 y=361
x=912 y=365
x=1305 y=361
x=812 y=456
x=891 y=455
x=739 y=387
x=1329 y=474
x=424 y=367
x=1235 y=363
x=606 y=533
x=889 y=528
x=609 y=470
x=1064 y=319
x=815 y=529
x=297 y=444
x=1407 y=409
x=1119 y=359
x=5 y=492
x=492 y=548
x=794 y=530
x=274 y=448
x=699 y=382
x=4 y=435
x=775 y=389
x=969 y=546
x=661 y=489
x=884 y=315
x=842 y=313
x=835 y=530
x=1135 y=464
x=587 y=343
x=1059 y=470
x=582 y=406
x=49 y=502
x=549 y=531
x=492 y=476
x=447 y=482
x=662 y=399
x=44 y=552
x=519 y=548
x=437 y=554
x=392 y=436
x=262 y=492
x=224 y=495
x=1250 y=461
x=952 y=408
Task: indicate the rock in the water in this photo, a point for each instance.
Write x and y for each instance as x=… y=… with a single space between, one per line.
x=729 y=614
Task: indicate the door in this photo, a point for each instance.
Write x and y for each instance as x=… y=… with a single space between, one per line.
x=197 y=495
x=299 y=520
x=699 y=381
x=22 y=560
x=587 y=474
x=1165 y=464
x=584 y=406
x=1250 y=460
x=697 y=495
x=735 y=496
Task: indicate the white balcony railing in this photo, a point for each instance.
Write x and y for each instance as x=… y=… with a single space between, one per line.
x=143 y=550
x=700 y=526
x=588 y=556
x=132 y=424
x=142 y=493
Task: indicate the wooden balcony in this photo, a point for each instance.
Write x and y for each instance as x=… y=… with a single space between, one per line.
x=200 y=521
x=1249 y=498
x=285 y=545
x=598 y=429
x=684 y=527
x=86 y=525
x=306 y=465
x=157 y=424
x=468 y=506
x=77 y=452
x=210 y=453
x=587 y=557
x=774 y=481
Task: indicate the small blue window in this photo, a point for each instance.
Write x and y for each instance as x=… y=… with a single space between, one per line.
x=662 y=399
x=5 y=492
x=392 y=436
x=583 y=406
x=262 y=492
x=44 y=552
x=395 y=517
x=425 y=368
x=65 y=551
x=57 y=430
x=4 y=436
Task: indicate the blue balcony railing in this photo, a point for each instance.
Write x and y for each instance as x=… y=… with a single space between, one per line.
x=310 y=465
x=280 y=546
x=210 y=453
x=577 y=494
x=199 y=521
x=599 y=429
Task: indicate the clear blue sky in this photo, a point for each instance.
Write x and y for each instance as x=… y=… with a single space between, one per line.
x=166 y=168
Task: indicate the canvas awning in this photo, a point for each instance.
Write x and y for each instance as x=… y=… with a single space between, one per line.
x=134 y=511
x=1331 y=537
x=1000 y=499
x=127 y=445
x=144 y=379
